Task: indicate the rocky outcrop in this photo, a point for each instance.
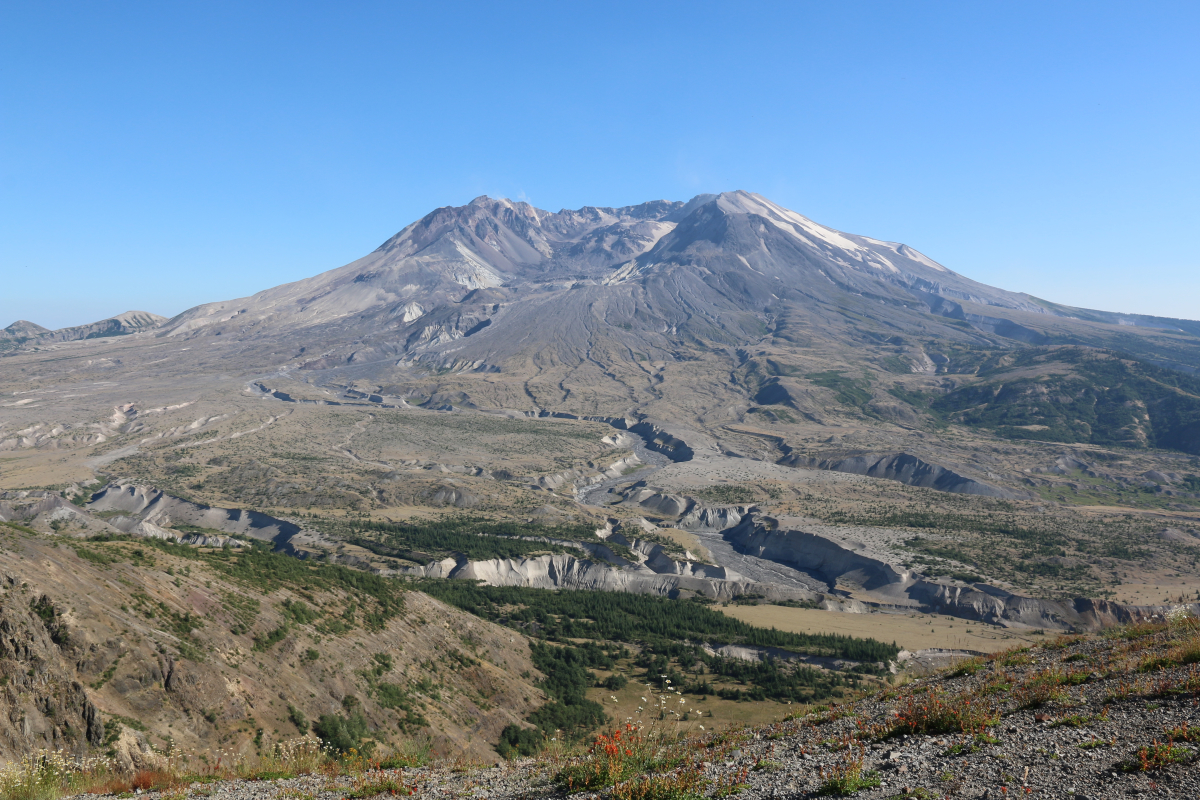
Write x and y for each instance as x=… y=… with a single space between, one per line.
x=661 y=440
x=902 y=467
x=717 y=518
x=22 y=330
x=568 y=572
x=1176 y=535
x=86 y=645
x=1099 y=614
x=139 y=527
x=598 y=567
x=121 y=325
x=653 y=556
x=658 y=436
x=150 y=505
x=579 y=478
x=48 y=510
x=452 y=496
x=668 y=505
x=44 y=705
x=995 y=605
x=832 y=561
x=851 y=570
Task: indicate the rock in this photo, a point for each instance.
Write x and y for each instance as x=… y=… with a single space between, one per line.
x=902 y=467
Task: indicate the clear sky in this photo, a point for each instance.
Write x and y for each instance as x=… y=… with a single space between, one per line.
x=158 y=155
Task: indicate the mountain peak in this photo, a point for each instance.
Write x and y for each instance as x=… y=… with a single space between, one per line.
x=716 y=252
x=24 y=327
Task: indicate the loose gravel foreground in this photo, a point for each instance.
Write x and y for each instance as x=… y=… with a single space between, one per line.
x=1103 y=717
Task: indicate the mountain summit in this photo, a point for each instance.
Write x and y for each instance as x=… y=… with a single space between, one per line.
x=725 y=269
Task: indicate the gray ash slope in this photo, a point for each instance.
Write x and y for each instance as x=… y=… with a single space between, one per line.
x=23 y=332
x=502 y=283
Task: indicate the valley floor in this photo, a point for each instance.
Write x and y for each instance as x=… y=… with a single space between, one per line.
x=912 y=631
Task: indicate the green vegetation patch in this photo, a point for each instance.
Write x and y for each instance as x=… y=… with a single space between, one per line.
x=670 y=633
x=726 y=494
x=474 y=537
x=260 y=568
x=847 y=391
x=1083 y=395
x=621 y=617
x=568 y=676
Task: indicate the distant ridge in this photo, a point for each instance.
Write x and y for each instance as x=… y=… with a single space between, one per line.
x=24 y=332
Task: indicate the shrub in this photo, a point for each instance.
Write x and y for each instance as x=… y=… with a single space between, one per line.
x=683 y=784
x=1187 y=652
x=410 y=753
x=1013 y=658
x=47 y=775
x=848 y=777
x=292 y=757
x=620 y=756
x=1156 y=756
x=298 y=719
x=299 y=613
x=265 y=641
x=51 y=619
x=937 y=713
x=1184 y=734
x=1135 y=631
x=1047 y=686
x=374 y=785
x=968 y=667
x=343 y=734
x=516 y=742
x=615 y=682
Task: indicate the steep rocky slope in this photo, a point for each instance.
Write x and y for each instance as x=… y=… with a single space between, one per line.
x=1095 y=718
x=116 y=645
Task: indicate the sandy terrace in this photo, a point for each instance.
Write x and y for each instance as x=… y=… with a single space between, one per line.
x=910 y=631
x=712 y=470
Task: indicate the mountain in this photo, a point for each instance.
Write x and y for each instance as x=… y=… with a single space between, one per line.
x=722 y=305
x=722 y=268
x=23 y=332
x=582 y=301
x=24 y=329
x=730 y=252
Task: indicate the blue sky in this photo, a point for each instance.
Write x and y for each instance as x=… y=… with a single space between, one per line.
x=159 y=155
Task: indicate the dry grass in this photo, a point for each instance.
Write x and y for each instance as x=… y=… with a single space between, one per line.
x=708 y=711
x=935 y=712
x=912 y=632
x=652 y=762
x=45 y=775
x=49 y=775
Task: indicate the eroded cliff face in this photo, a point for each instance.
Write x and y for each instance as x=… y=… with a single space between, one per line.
x=901 y=467
x=856 y=573
x=833 y=561
x=658 y=575
x=159 y=509
x=42 y=702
